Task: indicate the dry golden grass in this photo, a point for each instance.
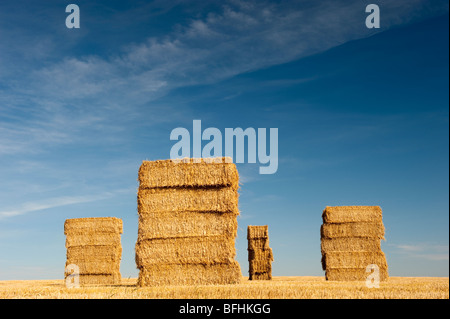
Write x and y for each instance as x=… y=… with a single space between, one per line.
x=278 y=288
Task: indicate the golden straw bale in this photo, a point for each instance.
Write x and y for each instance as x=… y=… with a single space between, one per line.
x=98 y=267
x=189 y=274
x=260 y=276
x=352 y=214
x=223 y=200
x=258 y=243
x=91 y=238
x=94 y=253
x=260 y=266
x=354 y=259
x=350 y=244
x=93 y=224
x=186 y=224
x=96 y=280
x=363 y=230
x=190 y=250
x=175 y=173
x=257 y=232
x=259 y=254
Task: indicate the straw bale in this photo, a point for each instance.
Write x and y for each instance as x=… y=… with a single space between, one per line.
x=95 y=280
x=259 y=254
x=188 y=199
x=191 y=250
x=190 y=173
x=353 y=274
x=258 y=243
x=98 y=267
x=94 y=253
x=189 y=274
x=260 y=266
x=257 y=232
x=260 y=276
x=352 y=214
x=350 y=244
x=93 y=224
x=364 y=230
x=186 y=224
x=90 y=238
x=353 y=259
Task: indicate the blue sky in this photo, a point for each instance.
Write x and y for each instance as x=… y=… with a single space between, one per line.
x=362 y=116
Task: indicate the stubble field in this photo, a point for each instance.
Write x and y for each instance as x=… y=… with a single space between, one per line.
x=278 y=288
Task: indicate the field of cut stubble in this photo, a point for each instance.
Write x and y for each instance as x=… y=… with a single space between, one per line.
x=278 y=288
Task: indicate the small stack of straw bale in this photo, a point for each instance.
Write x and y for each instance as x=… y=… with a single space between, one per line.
x=350 y=241
x=260 y=255
x=93 y=245
x=187 y=222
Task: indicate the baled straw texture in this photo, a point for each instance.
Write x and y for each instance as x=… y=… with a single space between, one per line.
x=352 y=214
x=259 y=254
x=224 y=200
x=260 y=276
x=92 y=238
x=189 y=274
x=260 y=266
x=363 y=230
x=191 y=250
x=188 y=173
x=354 y=259
x=96 y=267
x=353 y=274
x=258 y=243
x=186 y=224
x=93 y=244
x=257 y=232
x=96 y=224
x=350 y=241
x=94 y=253
x=350 y=244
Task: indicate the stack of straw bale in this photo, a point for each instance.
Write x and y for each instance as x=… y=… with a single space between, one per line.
x=350 y=241
x=93 y=245
x=187 y=222
x=260 y=255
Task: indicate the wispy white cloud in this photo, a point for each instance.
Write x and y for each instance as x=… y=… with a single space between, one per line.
x=54 y=102
x=35 y=206
x=435 y=252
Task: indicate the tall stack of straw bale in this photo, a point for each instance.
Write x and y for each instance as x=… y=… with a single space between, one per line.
x=187 y=222
x=260 y=255
x=350 y=241
x=93 y=245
